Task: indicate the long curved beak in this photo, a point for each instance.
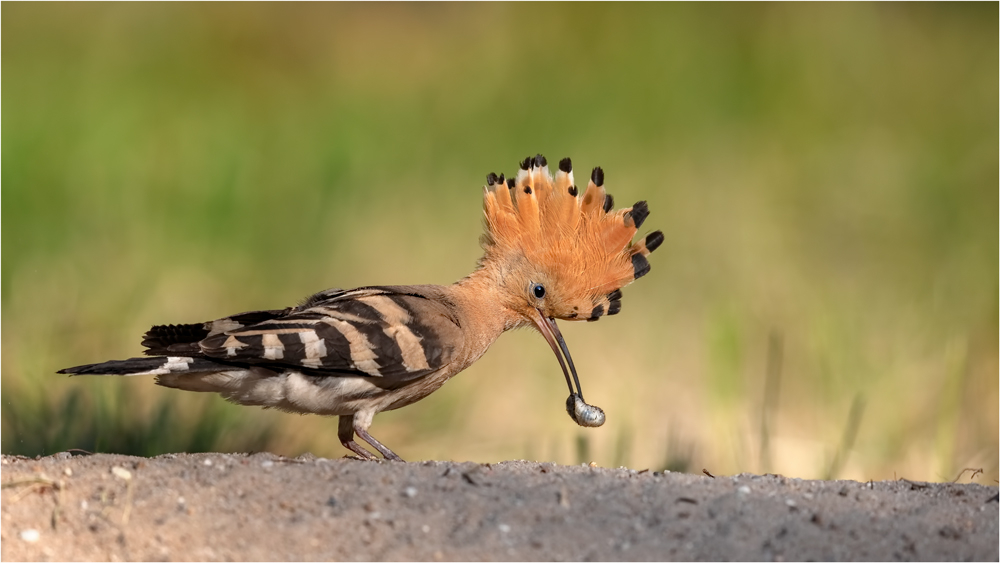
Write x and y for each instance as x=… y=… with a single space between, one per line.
x=581 y=413
x=552 y=335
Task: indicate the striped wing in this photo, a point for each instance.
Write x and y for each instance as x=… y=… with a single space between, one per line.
x=374 y=332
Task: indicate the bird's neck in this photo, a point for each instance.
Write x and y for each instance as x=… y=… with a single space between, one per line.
x=480 y=301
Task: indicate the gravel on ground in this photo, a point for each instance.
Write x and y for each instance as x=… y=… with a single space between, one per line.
x=267 y=507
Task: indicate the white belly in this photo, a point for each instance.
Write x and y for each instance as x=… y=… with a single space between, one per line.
x=289 y=391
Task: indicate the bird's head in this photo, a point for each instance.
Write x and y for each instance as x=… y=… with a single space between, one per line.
x=560 y=252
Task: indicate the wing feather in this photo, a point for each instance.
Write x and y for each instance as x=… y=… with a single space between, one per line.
x=395 y=334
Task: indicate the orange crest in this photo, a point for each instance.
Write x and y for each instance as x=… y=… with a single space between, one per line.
x=541 y=230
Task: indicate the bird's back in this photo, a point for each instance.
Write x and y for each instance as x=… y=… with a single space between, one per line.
x=336 y=348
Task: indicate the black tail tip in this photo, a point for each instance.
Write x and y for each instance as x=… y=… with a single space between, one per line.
x=609 y=202
x=526 y=163
x=566 y=165
x=654 y=240
x=76 y=370
x=492 y=179
x=540 y=161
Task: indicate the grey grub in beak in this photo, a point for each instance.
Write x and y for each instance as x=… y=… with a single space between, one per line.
x=581 y=413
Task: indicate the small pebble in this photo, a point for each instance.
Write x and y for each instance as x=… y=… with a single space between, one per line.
x=790 y=502
x=504 y=528
x=208 y=462
x=30 y=535
x=410 y=492
x=425 y=529
x=267 y=464
x=743 y=490
x=68 y=472
x=121 y=473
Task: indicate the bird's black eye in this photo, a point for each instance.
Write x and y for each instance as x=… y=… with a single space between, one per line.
x=538 y=290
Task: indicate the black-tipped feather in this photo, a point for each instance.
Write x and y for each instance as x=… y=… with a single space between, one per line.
x=597 y=176
x=640 y=264
x=639 y=213
x=654 y=240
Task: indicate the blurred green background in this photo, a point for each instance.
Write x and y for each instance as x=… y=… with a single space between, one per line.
x=824 y=305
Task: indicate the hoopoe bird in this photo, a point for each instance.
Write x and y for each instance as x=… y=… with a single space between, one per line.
x=551 y=252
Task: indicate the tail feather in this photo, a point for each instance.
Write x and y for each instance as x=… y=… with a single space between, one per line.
x=159 y=365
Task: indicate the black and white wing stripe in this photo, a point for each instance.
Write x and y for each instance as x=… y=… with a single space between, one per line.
x=387 y=333
x=167 y=340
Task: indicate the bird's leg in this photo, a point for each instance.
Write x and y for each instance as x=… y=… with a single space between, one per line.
x=386 y=452
x=362 y=431
x=345 y=431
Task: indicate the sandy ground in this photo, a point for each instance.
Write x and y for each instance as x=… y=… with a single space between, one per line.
x=265 y=507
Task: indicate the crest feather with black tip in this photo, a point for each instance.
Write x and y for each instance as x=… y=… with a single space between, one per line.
x=540 y=228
